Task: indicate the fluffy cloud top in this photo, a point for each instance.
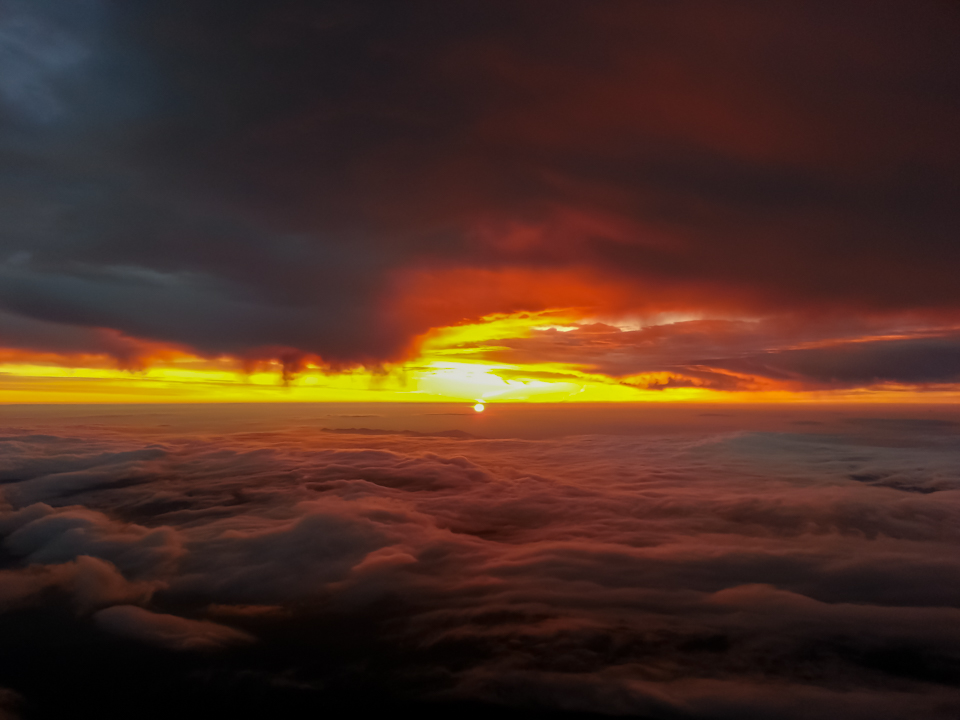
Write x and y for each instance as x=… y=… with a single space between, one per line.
x=767 y=575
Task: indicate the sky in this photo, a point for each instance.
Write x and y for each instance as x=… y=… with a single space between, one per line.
x=540 y=359
x=488 y=201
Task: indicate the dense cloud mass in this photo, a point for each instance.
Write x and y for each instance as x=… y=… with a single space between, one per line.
x=259 y=178
x=697 y=576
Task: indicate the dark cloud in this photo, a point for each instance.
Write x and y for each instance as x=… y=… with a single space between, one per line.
x=258 y=178
x=735 y=354
x=701 y=576
x=908 y=361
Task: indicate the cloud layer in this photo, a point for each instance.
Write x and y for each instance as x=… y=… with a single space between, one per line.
x=767 y=575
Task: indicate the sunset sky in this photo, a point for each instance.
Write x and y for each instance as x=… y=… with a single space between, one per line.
x=480 y=359
x=479 y=200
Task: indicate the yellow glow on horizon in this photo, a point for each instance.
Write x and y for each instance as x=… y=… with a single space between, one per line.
x=451 y=366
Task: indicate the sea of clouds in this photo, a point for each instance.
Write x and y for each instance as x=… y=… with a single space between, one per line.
x=732 y=575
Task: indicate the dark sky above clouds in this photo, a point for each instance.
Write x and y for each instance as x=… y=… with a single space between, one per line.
x=336 y=177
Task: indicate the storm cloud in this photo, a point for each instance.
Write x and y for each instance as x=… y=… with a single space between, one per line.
x=334 y=178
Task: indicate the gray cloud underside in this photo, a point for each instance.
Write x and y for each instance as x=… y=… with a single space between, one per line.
x=728 y=576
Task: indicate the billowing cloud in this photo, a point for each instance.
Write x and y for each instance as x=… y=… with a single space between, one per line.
x=90 y=582
x=745 y=574
x=269 y=178
x=169 y=631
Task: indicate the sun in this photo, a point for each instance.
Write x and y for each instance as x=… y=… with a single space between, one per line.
x=478 y=407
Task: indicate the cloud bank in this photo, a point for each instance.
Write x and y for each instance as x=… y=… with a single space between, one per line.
x=766 y=575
